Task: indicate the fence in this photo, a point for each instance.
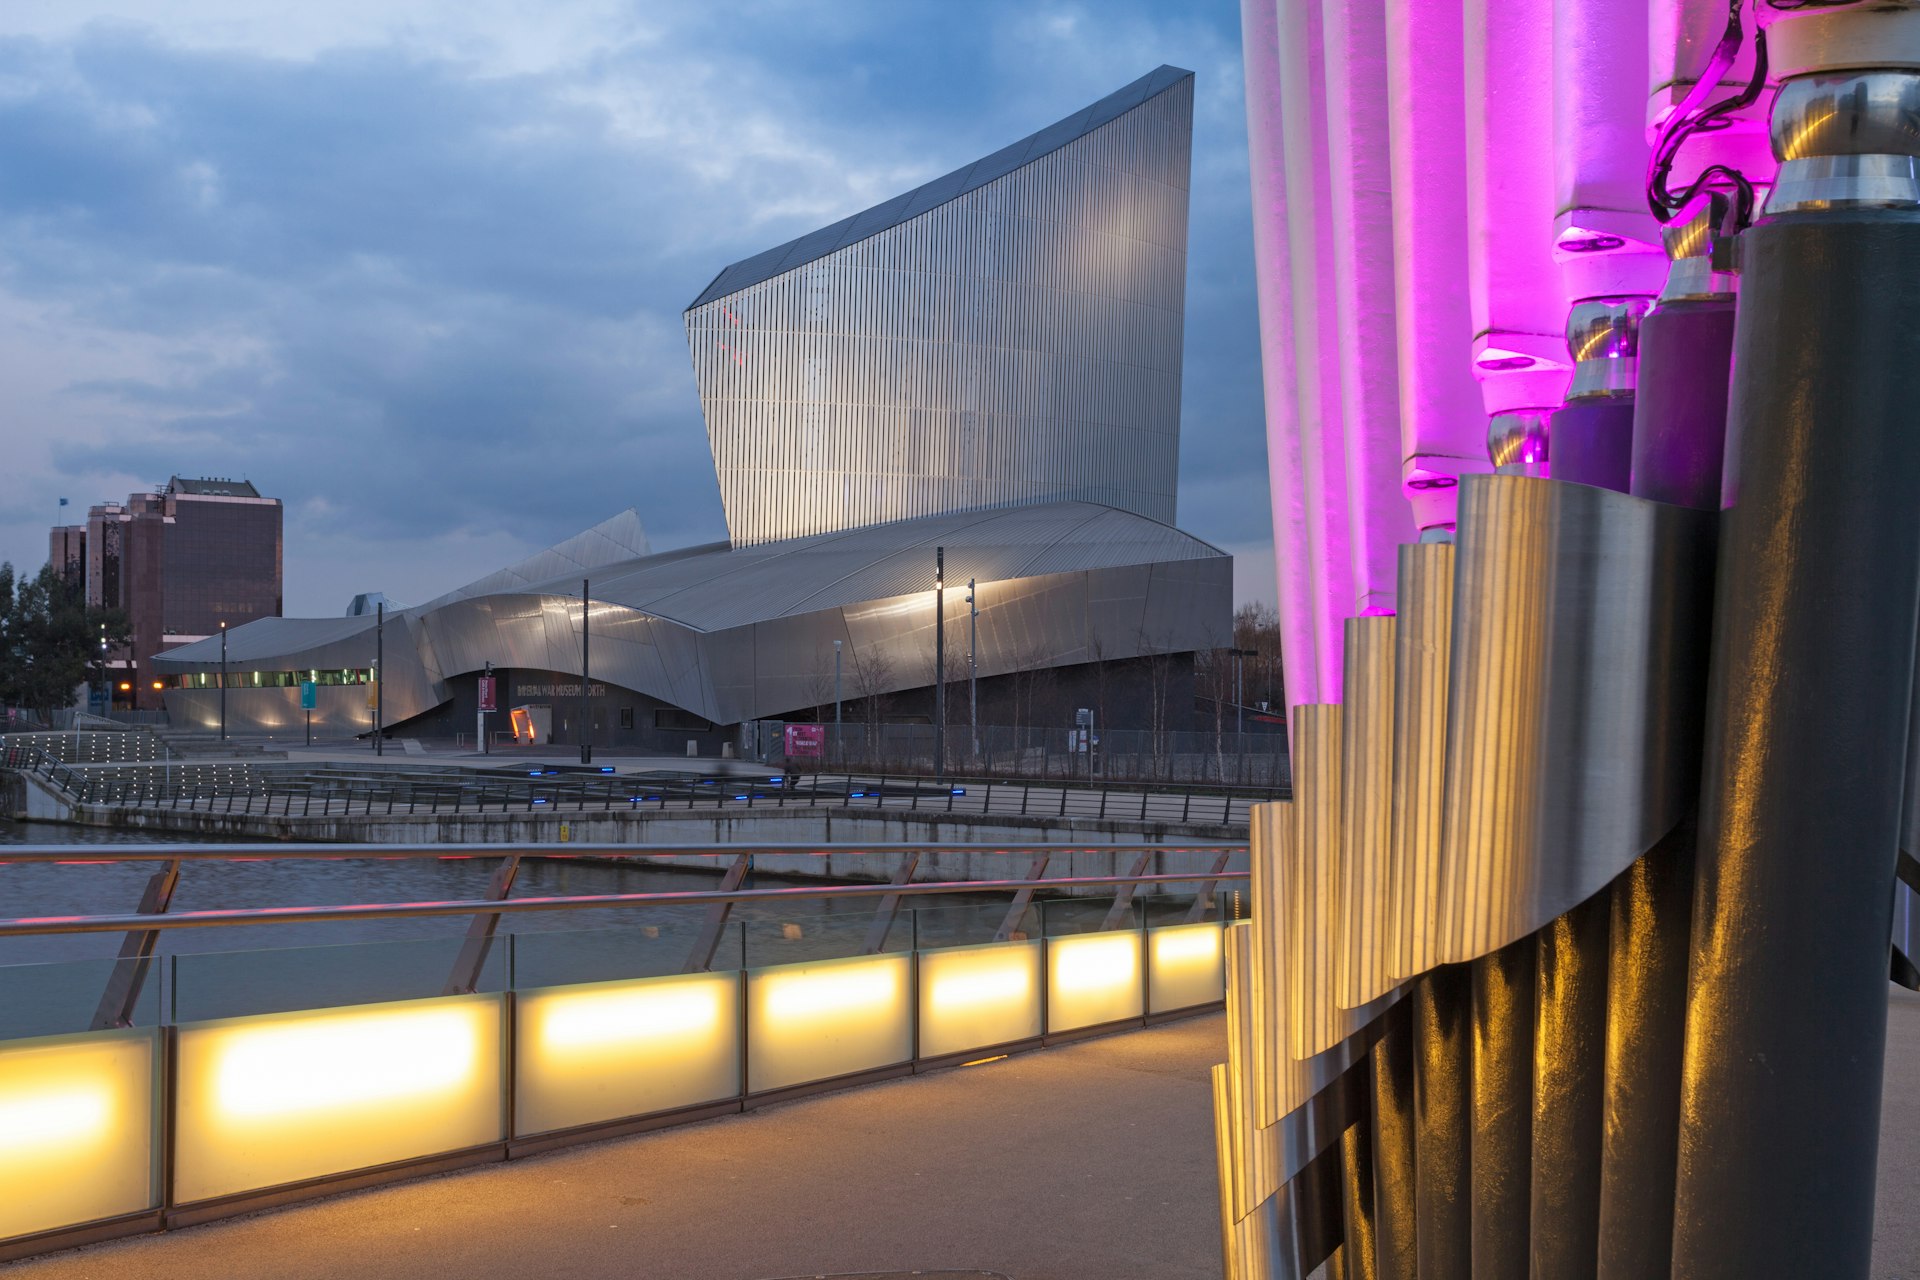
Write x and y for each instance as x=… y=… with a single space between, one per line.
x=1182 y=756
x=90 y=746
x=301 y=791
x=139 y=1117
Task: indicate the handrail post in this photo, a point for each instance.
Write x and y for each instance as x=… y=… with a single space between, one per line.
x=1203 y=901
x=707 y=941
x=136 y=954
x=1022 y=898
x=1123 y=897
x=480 y=930
x=889 y=906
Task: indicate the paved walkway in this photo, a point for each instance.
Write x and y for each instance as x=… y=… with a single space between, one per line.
x=1090 y=1161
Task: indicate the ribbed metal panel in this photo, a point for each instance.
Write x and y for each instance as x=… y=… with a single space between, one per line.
x=1422 y=647
x=1313 y=952
x=1579 y=622
x=1366 y=887
x=1279 y=1081
x=990 y=343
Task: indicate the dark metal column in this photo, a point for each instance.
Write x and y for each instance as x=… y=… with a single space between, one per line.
x=1651 y=907
x=1808 y=702
x=1356 y=1201
x=1592 y=445
x=1679 y=437
x=1395 y=1216
x=1570 y=1036
x=1442 y=1110
x=1502 y=1022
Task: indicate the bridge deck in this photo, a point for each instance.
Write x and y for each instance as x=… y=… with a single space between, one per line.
x=1085 y=1161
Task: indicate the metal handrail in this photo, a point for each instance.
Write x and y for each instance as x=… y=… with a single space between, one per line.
x=40 y=926
x=72 y=853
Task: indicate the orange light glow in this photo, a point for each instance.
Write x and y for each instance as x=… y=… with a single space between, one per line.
x=1094 y=978
x=822 y=1019
x=609 y=1050
x=76 y=1129
x=281 y=1097
x=979 y=996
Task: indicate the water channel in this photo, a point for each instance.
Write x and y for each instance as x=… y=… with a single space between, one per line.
x=53 y=984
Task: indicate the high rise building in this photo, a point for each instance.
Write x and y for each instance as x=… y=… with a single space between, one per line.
x=179 y=562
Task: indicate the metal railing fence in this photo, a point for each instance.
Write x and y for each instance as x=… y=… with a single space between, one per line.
x=1198 y=756
x=299 y=791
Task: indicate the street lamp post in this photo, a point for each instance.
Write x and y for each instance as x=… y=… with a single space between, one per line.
x=973 y=668
x=586 y=683
x=223 y=682
x=939 y=662
x=836 y=702
x=379 y=675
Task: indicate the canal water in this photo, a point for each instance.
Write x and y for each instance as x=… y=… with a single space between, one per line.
x=53 y=984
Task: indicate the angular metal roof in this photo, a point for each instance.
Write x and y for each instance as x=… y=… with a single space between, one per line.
x=274 y=638
x=818 y=244
x=712 y=589
x=620 y=538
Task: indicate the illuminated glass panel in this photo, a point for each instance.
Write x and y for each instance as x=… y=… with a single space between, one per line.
x=1092 y=978
x=815 y=1021
x=76 y=1129
x=269 y=1100
x=608 y=1050
x=976 y=997
x=1185 y=966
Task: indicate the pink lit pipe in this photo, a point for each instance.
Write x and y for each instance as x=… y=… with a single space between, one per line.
x=1441 y=422
x=1606 y=240
x=1306 y=456
x=1360 y=235
x=1294 y=559
x=1519 y=344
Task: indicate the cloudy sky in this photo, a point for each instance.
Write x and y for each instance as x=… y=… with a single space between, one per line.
x=417 y=266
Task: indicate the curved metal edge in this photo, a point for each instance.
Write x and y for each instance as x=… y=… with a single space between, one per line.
x=1577 y=678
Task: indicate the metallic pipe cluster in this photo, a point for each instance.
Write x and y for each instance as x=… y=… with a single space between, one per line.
x=1644 y=976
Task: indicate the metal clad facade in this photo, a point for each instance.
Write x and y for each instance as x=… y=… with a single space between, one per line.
x=995 y=344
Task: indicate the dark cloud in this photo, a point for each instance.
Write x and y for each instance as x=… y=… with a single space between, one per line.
x=413 y=298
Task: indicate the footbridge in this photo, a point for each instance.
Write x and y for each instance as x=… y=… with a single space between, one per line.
x=158 y=1087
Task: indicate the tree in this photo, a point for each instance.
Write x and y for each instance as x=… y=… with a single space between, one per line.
x=872 y=670
x=50 y=640
x=1256 y=627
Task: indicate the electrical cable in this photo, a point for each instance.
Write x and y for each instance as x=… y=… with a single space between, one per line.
x=1692 y=117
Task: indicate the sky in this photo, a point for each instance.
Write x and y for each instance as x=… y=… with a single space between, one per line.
x=417 y=267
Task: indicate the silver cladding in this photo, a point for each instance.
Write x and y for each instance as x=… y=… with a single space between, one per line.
x=974 y=344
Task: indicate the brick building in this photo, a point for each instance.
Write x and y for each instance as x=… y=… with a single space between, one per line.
x=180 y=562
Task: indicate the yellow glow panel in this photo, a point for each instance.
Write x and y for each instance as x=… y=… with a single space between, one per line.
x=973 y=997
x=609 y=1050
x=1185 y=966
x=76 y=1129
x=290 y=1096
x=1092 y=978
x=830 y=1018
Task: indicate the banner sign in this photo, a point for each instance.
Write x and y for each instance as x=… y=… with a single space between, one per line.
x=806 y=740
x=489 y=693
